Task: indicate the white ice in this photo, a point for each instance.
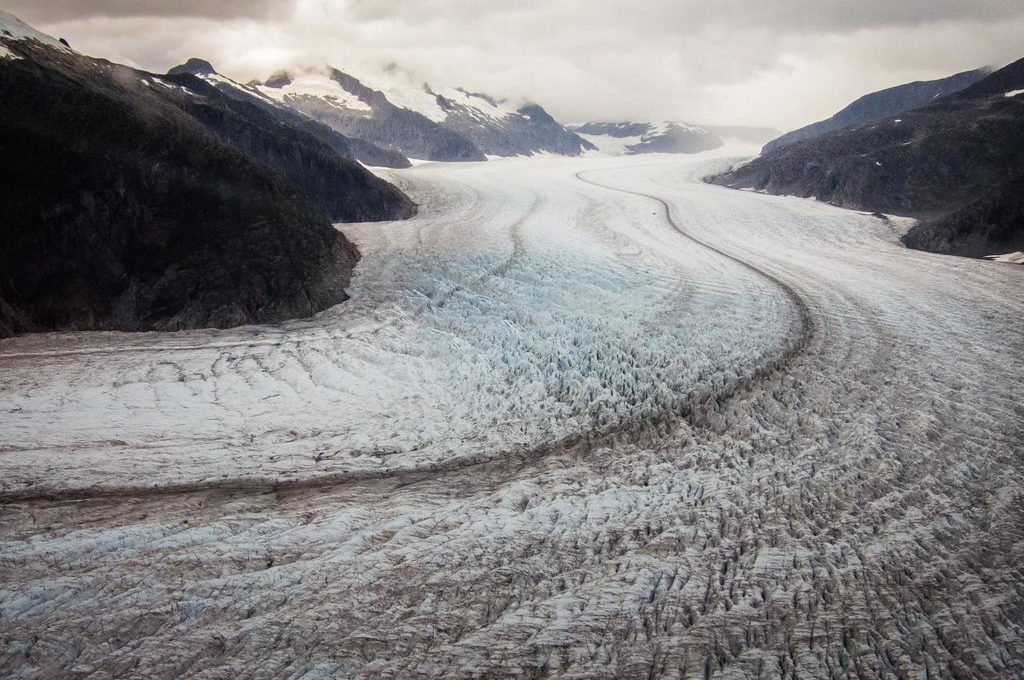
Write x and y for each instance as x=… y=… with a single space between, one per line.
x=581 y=418
x=317 y=85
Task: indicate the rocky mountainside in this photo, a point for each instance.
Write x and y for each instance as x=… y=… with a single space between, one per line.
x=628 y=138
x=883 y=104
x=346 y=147
x=955 y=165
x=442 y=125
x=501 y=131
x=135 y=201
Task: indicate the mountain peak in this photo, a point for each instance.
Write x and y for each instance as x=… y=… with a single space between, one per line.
x=635 y=137
x=197 y=67
x=997 y=82
x=279 y=79
x=13 y=28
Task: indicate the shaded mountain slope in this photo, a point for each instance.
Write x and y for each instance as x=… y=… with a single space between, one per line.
x=954 y=165
x=133 y=203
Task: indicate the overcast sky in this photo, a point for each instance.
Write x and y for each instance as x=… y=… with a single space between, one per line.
x=781 y=63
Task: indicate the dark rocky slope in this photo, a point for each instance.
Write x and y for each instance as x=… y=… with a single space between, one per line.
x=883 y=104
x=955 y=165
x=130 y=202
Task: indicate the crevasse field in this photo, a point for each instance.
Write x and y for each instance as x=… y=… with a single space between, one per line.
x=583 y=418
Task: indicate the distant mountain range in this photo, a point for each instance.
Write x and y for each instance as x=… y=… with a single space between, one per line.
x=631 y=138
x=139 y=201
x=445 y=124
x=348 y=147
x=628 y=138
x=388 y=119
x=883 y=104
x=954 y=164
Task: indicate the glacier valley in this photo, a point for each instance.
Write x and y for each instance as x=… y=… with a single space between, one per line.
x=581 y=417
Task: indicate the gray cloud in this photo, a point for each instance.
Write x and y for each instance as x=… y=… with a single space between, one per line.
x=782 y=63
x=68 y=10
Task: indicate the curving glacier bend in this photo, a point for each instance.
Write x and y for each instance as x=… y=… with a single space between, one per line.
x=581 y=418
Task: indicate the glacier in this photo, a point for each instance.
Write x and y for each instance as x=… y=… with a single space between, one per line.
x=581 y=417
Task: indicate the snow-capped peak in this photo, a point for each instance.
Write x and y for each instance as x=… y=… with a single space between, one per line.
x=399 y=88
x=14 y=29
x=284 y=86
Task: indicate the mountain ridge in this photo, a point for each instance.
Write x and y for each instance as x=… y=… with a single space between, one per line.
x=446 y=124
x=954 y=165
x=347 y=147
x=884 y=103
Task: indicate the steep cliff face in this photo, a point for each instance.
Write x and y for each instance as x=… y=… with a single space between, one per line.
x=882 y=104
x=133 y=202
x=954 y=165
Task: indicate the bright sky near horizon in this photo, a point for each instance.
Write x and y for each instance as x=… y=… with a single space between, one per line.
x=782 y=64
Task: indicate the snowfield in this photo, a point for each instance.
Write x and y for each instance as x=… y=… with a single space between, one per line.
x=585 y=418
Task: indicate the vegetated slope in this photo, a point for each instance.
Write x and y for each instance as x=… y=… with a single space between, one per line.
x=346 y=147
x=449 y=124
x=628 y=138
x=883 y=104
x=954 y=165
x=131 y=203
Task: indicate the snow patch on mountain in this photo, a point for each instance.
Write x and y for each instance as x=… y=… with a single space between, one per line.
x=481 y=104
x=13 y=28
x=435 y=104
x=418 y=98
x=313 y=84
